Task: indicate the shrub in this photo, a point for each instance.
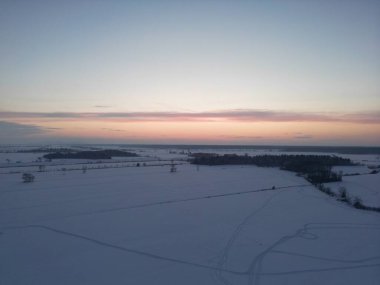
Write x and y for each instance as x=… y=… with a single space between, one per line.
x=357 y=203
x=27 y=177
x=329 y=192
x=343 y=195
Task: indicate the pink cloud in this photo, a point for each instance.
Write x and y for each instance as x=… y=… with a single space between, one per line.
x=244 y=115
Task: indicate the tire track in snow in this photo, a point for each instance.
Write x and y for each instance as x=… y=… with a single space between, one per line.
x=173 y=201
x=255 y=269
x=227 y=249
x=121 y=248
x=320 y=270
x=325 y=258
x=255 y=264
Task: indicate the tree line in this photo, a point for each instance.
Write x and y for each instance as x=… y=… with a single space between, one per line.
x=315 y=168
x=97 y=154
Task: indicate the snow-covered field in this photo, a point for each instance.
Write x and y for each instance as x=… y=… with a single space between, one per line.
x=366 y=187
x=200 y=225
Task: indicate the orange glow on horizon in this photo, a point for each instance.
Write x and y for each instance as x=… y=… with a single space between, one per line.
x=213 y=132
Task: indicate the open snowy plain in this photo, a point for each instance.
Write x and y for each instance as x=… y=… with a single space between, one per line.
x=122 y=224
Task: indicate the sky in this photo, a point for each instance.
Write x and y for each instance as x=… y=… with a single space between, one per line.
x=300 y=72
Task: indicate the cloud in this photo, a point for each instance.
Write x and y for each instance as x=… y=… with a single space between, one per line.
x=9 y=128
x=15 y=132
x=304 y=137
x=240 y=115
x=242 y=137
x=301 y=135
x=102 y=106
x=113 y=130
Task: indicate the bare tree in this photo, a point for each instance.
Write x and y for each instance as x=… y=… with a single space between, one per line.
x=172 y=167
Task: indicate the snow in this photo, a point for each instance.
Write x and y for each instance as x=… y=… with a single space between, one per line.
x=366 y=187
x=350 y=170
x=206 y=225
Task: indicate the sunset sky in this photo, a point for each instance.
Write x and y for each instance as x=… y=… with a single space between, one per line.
x=297 y=72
